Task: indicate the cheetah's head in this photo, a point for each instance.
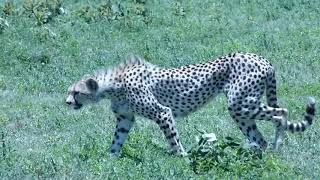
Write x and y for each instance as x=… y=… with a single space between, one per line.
x=82 y=92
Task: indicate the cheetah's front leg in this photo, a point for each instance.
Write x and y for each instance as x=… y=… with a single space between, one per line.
x=145 y=104
x=124 y=124
x=167 y=125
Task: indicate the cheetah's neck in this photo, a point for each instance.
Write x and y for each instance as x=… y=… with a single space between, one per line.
x=108 y=83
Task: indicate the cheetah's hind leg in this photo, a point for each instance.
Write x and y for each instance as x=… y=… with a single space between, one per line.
x=280 y=123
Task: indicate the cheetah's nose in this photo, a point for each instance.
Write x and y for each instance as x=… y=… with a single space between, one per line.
x=68 y=102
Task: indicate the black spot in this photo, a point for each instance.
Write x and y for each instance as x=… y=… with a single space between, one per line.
x=254 y=127
x=165 y=126
x=291 y=126
x=254 y=138
x=123 y=130
x=273 y=98
x=309 y=119
x=113 y=151
x=173 y=135
x=310 y=110
x=248 y=129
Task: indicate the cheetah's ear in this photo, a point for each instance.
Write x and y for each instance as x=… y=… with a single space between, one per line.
x=92 y=84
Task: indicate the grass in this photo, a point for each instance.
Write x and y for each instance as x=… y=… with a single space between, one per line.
x=47 y=46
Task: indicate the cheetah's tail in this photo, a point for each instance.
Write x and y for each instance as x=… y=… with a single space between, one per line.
x=308 y=118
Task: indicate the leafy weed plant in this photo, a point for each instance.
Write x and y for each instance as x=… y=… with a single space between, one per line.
x=230 y=156
x=43 y=10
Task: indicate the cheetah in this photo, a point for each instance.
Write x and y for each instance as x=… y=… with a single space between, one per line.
x=137 y=87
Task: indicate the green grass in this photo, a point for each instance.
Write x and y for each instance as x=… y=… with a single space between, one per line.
x=41 y=55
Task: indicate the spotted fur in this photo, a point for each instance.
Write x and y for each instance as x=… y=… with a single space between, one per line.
x=140 y=88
